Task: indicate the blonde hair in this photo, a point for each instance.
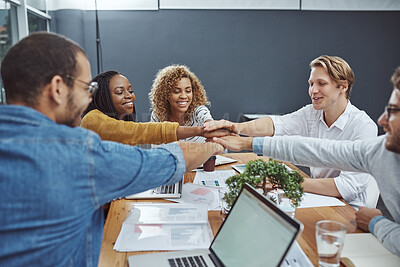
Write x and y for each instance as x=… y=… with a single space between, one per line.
x=396 y=78
x=338 y=69
x=164 y=83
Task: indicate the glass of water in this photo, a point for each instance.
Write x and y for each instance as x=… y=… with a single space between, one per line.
x=330 y=237
x=285 y=203
x=224 y=206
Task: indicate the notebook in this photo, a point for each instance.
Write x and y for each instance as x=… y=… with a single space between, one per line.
x=164 y=191
x=364 y=250
x=255 y=233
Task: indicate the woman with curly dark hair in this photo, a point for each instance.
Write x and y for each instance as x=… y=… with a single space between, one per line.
x=177 y=95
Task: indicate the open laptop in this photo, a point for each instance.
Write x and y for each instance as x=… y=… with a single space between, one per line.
x=255 y=233
x=163 y=191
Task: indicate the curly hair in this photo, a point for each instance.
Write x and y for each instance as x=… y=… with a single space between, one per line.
x=163 y=85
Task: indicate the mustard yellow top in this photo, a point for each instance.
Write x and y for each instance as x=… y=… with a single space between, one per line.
x=128 y=132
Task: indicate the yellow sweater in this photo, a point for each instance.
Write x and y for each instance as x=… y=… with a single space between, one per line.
x=128 y=132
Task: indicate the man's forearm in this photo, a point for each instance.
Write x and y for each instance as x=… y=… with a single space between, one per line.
x=259 y=127
x=196 y=154
x=322 y=186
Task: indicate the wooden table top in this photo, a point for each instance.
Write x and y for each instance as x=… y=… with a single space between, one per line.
x=119 y=210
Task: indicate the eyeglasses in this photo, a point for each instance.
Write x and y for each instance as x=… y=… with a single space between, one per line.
x=92 y=86
x=389 y=110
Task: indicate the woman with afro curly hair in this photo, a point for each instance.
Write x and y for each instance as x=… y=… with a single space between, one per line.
x=111 y=115
x=177 y=95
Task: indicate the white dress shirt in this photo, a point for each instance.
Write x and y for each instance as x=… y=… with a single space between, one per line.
x=353 y=124
x=200 y=115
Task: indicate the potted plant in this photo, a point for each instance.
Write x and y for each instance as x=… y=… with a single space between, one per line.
x=267 y=175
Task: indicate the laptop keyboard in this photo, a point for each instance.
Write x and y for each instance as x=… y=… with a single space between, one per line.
x=196 y=261
x=165 y=189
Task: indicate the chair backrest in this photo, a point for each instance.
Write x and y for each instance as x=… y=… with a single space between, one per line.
x=372 y=191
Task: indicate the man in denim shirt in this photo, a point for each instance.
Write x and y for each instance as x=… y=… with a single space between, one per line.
x=54 y=178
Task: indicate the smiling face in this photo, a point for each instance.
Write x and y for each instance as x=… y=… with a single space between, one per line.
x=325 y=93
x=391 y=125
x=122 y=95
x=181 y=97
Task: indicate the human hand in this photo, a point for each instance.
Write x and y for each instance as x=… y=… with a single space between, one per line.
x=219 y=149
x=235 y=142
x=216 y=133
x=221 y=124
x=364 y=216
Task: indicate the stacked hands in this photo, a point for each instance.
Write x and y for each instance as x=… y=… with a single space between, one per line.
x=226 y=133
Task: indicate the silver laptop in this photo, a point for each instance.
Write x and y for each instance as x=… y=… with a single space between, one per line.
x=164 y=191
x=255 y=233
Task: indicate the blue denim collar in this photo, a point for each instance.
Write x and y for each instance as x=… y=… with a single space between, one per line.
x=23 y=114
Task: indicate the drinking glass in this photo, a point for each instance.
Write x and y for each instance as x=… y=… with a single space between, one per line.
x=224 y=206
x=330 y=237
x=284 y=203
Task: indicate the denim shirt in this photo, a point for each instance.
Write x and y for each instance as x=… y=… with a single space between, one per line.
x=54 y=180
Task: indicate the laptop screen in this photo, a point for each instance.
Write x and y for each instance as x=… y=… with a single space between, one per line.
x=254 y=233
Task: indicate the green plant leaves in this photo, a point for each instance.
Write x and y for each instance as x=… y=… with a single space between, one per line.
x=258 y=173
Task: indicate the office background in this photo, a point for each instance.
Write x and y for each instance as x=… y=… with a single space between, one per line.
x=250 y=61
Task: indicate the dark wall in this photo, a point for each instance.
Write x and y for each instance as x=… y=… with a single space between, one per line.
x=248 y=61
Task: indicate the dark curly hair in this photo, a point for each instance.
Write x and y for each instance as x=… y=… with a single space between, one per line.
x=163 y=85
x=102 y=97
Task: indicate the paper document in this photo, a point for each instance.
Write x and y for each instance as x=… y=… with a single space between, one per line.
x=215 y=179
x=165 y=226
x=144 y=237
x=199 y=194
x=241 y=167
x=365 y=250
x=296 y=257
x=150 y=213
x=313 y=200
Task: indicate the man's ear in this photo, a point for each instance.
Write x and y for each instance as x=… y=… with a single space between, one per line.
x=344 y=87
x=58 y=89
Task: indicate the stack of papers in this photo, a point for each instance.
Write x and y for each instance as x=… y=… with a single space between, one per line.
x=198 y=194
x=311 y=200
x=165 y=226
x=213 y=179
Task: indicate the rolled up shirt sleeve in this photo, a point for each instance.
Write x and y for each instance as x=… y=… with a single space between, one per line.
x=351 y=184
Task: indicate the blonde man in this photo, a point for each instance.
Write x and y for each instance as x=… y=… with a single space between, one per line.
x=330 y=116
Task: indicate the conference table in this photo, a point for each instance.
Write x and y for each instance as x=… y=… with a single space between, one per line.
x=119 y=210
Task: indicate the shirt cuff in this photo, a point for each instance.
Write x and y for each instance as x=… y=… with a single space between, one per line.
x=373 y=222
x=176 y=151
x=258 y=145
